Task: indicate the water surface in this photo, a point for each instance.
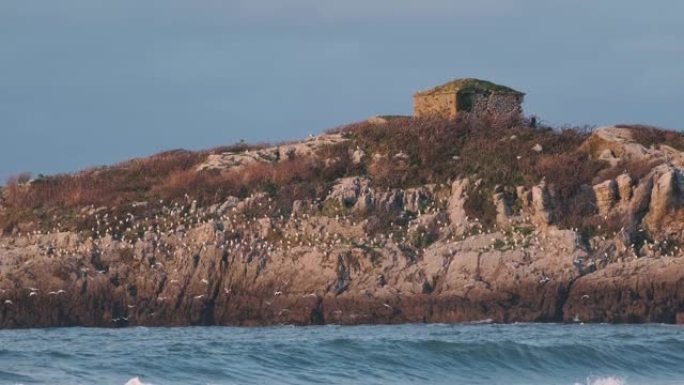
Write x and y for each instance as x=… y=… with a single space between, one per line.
x=406 y=354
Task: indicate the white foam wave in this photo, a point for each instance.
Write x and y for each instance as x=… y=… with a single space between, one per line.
x=603 y=381
x=136 y=381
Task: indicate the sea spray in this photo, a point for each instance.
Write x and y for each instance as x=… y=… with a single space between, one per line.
x=136 y=381
x=603 y=381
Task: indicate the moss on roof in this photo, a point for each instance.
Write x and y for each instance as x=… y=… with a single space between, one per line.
x=470 y=85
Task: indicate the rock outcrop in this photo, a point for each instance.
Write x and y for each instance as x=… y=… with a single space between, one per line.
x=364 y=255
x=457 y=213
x=667 y=194
x=606 y=196
x=236 y=159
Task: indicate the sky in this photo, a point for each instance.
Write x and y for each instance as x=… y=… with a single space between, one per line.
x=85 y=83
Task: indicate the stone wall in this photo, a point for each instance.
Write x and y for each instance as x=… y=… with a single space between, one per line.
x=435 y=105
x=448 y=105
x=501 y=103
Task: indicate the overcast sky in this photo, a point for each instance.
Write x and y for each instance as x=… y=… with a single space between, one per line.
x=92 y=82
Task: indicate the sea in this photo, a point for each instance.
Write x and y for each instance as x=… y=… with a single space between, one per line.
x=397 y=354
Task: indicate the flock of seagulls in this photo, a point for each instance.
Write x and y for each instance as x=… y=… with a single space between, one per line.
x=168 y=230
x=259 y=230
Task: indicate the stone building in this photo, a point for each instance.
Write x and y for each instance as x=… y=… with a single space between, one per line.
x=466 y=95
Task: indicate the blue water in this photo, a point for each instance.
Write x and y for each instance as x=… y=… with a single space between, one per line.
x=407 y=354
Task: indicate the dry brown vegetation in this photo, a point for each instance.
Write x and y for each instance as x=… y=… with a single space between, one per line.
x=212 y=186
x=108 y=186
x=498 y=149
x=403 y=152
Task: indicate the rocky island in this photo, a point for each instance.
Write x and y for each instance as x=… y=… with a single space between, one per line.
x=480 y=215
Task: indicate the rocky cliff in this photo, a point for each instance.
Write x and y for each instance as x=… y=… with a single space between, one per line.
x=367 y=253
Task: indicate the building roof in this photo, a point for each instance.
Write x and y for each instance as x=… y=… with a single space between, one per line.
x=470 y=85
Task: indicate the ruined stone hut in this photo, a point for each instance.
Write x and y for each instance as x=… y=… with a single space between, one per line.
x=466 y=95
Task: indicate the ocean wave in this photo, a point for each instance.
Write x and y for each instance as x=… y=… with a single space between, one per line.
x=604 y=381
x=590 y=381
x=14 y=377
x=374 y=355
x=136 y=381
